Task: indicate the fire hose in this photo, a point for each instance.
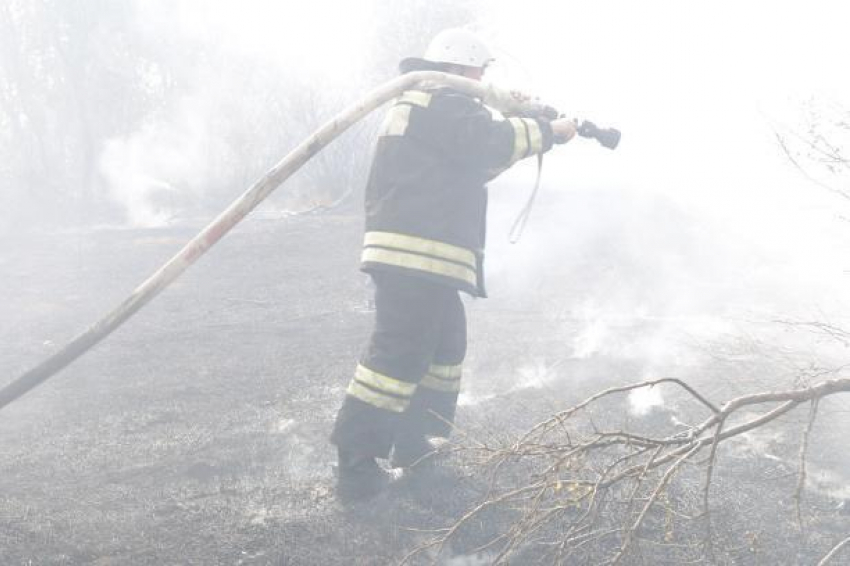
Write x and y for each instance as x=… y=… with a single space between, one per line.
x=501 y=100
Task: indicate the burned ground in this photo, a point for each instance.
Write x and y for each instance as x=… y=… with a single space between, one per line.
x=196 y=434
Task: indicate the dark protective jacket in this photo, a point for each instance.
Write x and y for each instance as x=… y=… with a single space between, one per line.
x=426 y=198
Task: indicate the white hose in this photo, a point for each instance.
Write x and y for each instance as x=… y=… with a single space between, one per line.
x=195 y=248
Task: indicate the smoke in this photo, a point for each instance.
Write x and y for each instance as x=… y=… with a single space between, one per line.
x=164 y=164
x=643 y=400
x=697 y=107
x=697 y=228
x=593 y=336
x=236 y=88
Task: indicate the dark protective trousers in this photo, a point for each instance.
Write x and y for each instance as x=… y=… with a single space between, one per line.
x=408 y=379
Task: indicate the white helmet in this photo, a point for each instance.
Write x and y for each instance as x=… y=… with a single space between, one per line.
x=458 y=47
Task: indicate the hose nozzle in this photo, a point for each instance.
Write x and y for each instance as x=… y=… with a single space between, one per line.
x=608 y=137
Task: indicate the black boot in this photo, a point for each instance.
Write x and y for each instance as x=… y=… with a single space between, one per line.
x=413 y=451
x=360 y=478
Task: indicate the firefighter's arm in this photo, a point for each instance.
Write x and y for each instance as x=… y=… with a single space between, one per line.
x=563 y=129
x=466 y=132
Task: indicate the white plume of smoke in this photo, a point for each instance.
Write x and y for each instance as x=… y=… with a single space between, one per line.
x=215 y=129
x=167 y=161
x=643 y=400
x=594 y=334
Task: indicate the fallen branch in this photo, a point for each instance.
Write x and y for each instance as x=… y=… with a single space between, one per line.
x=584 y=482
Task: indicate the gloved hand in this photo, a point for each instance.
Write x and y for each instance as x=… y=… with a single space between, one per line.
x=563 y=130
x=520 y=96
x=531 y=107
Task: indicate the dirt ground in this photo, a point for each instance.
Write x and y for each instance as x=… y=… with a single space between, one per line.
x=196 y=434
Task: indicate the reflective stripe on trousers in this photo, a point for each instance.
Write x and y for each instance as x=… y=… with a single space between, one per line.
x=408 y=378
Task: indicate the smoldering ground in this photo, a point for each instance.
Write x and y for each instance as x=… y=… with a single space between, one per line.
x=197 y=433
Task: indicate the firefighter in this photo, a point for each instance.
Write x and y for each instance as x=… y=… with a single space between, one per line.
x=425 y=207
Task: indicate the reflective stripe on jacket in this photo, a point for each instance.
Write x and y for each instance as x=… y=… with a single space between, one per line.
x=426 y=197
